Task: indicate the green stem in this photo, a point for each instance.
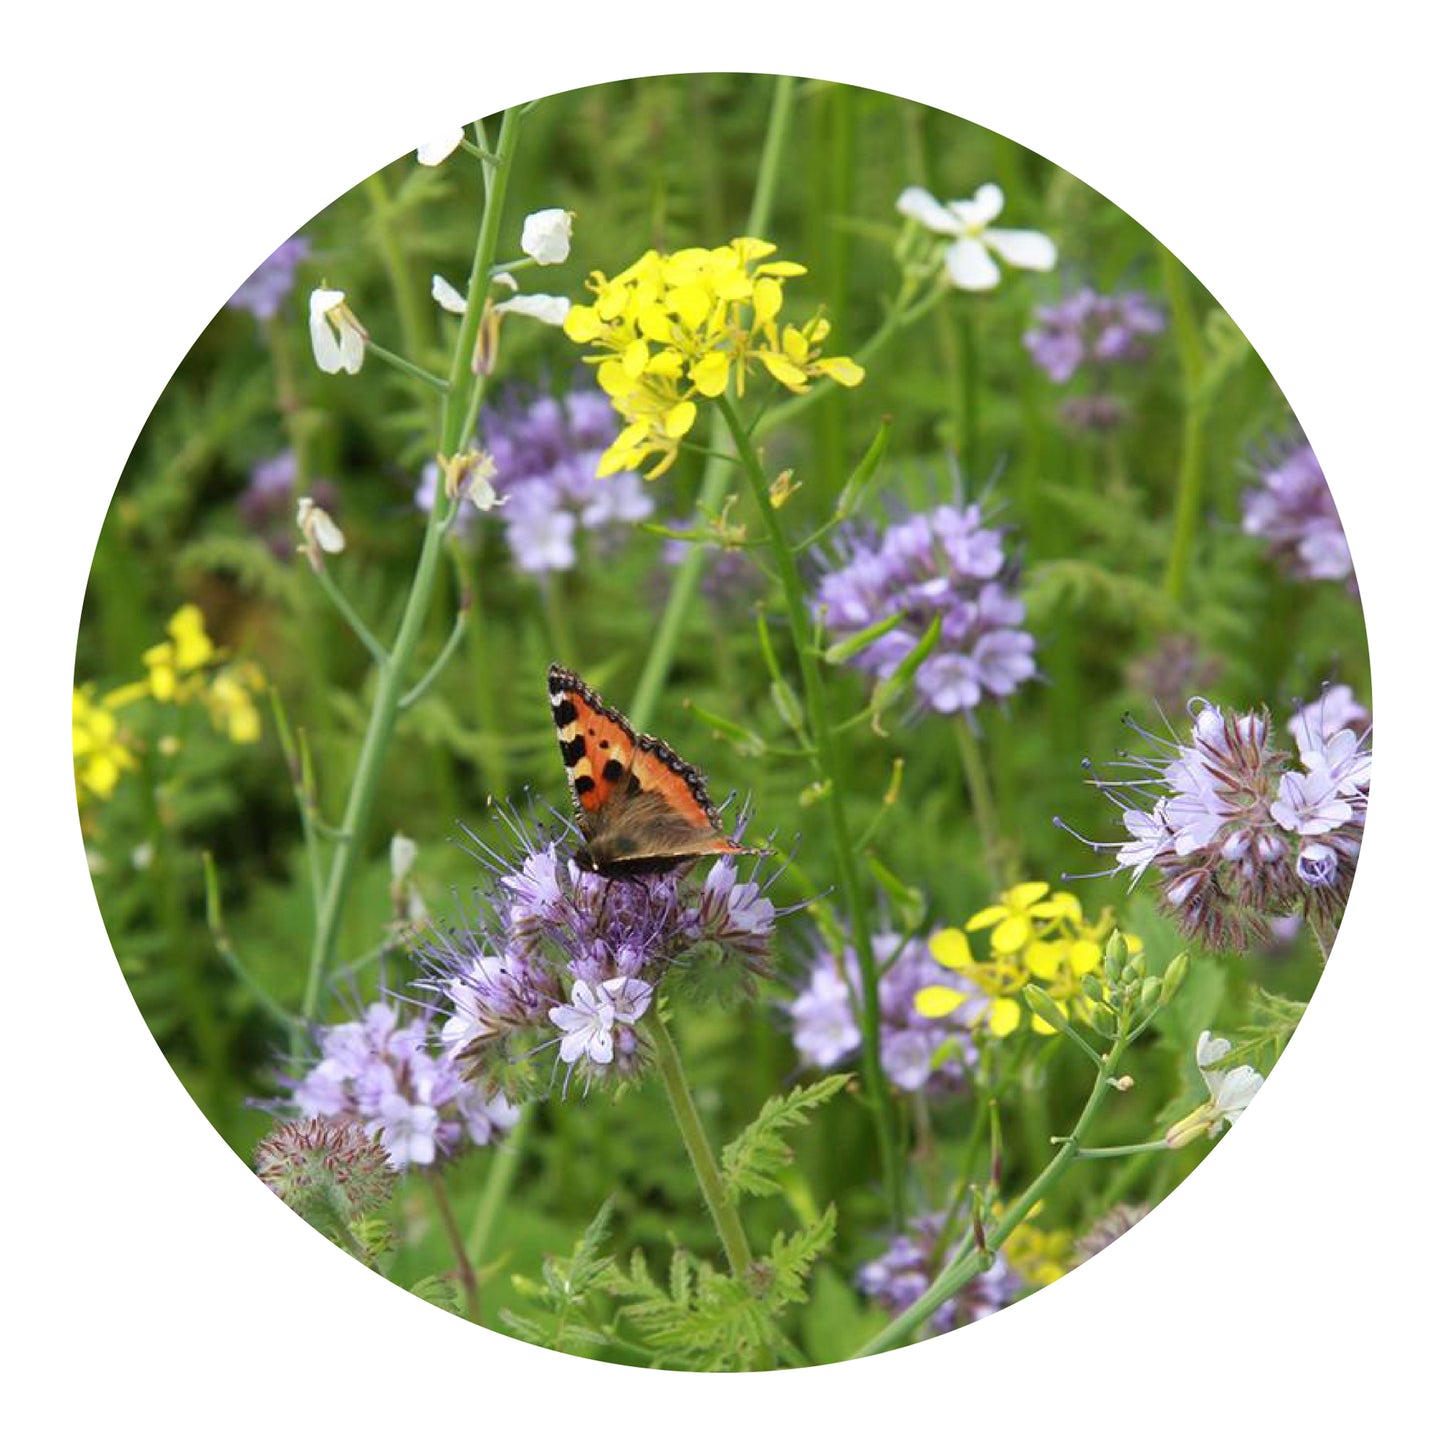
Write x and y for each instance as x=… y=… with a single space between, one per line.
x=713 y=489
x=459 y=412
x=1120 y=1151
x=998 y=851
x=454 y=641
x=724 y=1214
x=407 y=368
x=506 y=1159
x=1189 y=493
x=226 y=949
x=350 y=615
x=465 y=1272
x=970 y=1260
x=828 y=773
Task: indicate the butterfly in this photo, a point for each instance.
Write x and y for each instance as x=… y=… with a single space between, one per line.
x=639 y=807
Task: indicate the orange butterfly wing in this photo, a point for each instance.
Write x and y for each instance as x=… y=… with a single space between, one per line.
x=640 y=808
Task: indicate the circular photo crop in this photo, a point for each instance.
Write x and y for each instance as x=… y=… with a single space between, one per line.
x=722 y=722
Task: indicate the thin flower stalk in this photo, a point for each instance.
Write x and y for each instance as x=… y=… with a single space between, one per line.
x=825 y=765
x=462 y=401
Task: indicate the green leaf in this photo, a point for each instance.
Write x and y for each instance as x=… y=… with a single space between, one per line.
x=752 y=1162
x=445 y=1294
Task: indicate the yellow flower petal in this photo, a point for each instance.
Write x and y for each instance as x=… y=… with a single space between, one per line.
x=582 y=324
x=710 y=375
x=986 y=917
x=678 y=422
x=781 y=369
x=767 y=300
x=949 y=946
x=1010 y=935
x=1003 y=1017
x=936 y=1002
x=842 y=369
x=1024 y=894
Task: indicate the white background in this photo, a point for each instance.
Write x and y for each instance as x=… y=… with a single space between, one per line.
x=155 y=153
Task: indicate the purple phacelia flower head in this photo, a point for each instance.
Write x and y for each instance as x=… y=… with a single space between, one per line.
x=390 y=1073
x=943 y=564
x=1239 y=831
x=546 y=450
x=558 y=966
x=264 y=291
x=1293 y=511
x=1087 y=329
x=901 y=1274
x=918 y=1054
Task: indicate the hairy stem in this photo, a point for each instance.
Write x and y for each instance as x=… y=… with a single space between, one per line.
x=724 y=1214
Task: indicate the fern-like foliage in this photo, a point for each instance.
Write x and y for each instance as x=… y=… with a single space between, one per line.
x=704 y=1320
x=1273 y=1020
x=564 y=1312
x=752 y=1162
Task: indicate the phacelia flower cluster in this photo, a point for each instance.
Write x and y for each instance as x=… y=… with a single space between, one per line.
x=901 y=1274
x=1034 y=935
x=562 y=964
x=681 y=326
x=546 y=451
x=942 y=564
x=387 y=1072
x=1093 y=330
x=1293 y=511
x=265 y=290
x=918 y=1051
x=330 y=1171
x=1240 y=829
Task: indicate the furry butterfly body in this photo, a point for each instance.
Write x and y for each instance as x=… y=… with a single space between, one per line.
x=639 y=807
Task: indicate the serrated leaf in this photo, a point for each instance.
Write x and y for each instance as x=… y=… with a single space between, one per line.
x=752 y=1162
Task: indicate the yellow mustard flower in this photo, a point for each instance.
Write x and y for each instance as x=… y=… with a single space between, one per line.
x=100 y=755
x=1039 y=1256
x=682 y=325
x=230 y=701
x=169 y=665
x=1034 y=936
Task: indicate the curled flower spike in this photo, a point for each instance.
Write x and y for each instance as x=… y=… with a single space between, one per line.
x=386 y=1071
x=969 y=260
x=685 y=325
x=1293 y=510
x=564 y=964
x=338 y=339
x=1240 y=833
x=1230 y=1091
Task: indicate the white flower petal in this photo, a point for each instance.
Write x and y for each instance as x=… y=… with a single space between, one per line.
x=403 y=856
x=918 y=205
x=985 y=206
x=547 y=236
x=447 y=296
x=506 y=280
x=353 y=348
x=551 y=310
x=970 y=267
x=1209 y=1050
x=1028 y=250
x=434 y=152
